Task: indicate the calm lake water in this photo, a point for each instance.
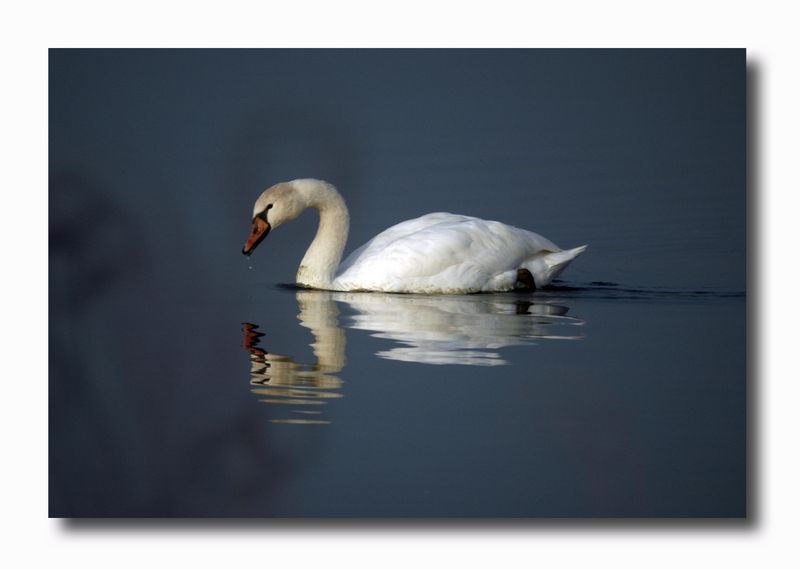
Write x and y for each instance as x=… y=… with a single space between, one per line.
x=186 y=380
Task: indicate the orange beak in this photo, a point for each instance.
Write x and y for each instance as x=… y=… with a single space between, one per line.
x=260 y=230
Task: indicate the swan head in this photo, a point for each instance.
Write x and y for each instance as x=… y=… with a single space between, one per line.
x=276 y=205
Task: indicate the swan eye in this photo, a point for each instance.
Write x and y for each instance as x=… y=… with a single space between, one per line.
x=263 y=214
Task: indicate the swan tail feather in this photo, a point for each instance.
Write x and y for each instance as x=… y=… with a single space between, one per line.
x=548 y=265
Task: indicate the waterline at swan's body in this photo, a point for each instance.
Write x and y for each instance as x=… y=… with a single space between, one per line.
x=435 y=253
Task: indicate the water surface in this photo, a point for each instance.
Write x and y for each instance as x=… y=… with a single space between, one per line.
x=186 y=380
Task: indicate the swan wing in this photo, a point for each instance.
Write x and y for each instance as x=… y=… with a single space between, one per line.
x=397 y=232
x=441 y=252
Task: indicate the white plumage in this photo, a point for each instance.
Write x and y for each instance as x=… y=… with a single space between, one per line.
x=435 y=253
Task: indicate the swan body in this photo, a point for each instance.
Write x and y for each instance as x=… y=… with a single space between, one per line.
x=435 y=253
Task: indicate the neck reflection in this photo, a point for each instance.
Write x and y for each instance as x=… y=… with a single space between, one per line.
x=436 y=330
x=305 y=388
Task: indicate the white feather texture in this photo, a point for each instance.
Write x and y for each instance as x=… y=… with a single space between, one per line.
x=440 y=253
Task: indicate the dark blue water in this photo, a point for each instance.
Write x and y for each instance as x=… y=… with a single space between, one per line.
x=183 y=382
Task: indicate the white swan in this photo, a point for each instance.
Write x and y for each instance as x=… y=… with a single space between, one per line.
x=435 y=253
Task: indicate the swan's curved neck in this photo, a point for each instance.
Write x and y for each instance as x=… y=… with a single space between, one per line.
x=318 y=267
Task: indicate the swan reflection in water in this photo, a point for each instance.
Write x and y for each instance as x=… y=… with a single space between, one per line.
x=304 y=387
x=438 y=330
